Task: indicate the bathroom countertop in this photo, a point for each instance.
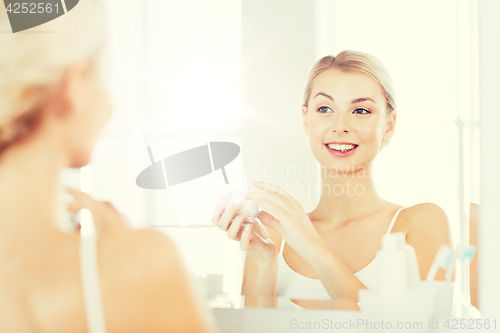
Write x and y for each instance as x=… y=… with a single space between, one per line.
x=262 y=320
x=252 y=320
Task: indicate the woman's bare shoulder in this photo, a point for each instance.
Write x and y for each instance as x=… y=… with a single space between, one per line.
x=140 y=256
x=145 y=281
x=144 y=248
x=427 y=230
x=425 y=208
x=152 y=242
x=423 y=215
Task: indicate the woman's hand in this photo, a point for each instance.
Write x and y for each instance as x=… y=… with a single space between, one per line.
x=290 y=221
x=106 y=216
x=253 y=238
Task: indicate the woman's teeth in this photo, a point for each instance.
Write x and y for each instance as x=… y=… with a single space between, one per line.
x=341 y=147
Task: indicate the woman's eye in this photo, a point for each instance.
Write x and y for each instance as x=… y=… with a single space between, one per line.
x=361 y=111
x=324 y=109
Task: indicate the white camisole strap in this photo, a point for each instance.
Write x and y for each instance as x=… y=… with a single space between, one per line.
x=91 y=286
x=394 y=220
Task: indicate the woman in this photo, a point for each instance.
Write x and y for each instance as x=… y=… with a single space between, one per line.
x=349 y=115
x=52 y=109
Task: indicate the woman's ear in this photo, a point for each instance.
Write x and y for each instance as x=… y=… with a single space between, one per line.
x=304 y=120
x=390 y=126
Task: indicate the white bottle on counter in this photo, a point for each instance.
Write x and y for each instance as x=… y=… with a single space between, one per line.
x=400 y=295
x=413 y=270
x=398 y=265
x=392 y=265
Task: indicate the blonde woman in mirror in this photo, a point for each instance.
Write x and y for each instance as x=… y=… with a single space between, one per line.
x=323 y=258
x=52 y=109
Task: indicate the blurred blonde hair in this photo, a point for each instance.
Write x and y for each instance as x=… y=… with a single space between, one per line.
x=354 y=61
x=33 y=63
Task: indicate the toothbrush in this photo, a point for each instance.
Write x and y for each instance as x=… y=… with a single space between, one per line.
x=461 y=254
x=442 y=259
x=463 y=306
x=464 y=253
x=451 y=268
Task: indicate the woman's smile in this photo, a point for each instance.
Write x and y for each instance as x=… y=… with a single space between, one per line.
x=341 y=149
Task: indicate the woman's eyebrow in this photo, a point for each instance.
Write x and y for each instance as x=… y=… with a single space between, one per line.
x=362 y=99
x=323 y=94
x=354 y=101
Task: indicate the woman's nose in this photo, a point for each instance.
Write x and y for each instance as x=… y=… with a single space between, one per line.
x=341 y=123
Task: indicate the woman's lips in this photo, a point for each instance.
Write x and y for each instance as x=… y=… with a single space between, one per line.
x=342 y=153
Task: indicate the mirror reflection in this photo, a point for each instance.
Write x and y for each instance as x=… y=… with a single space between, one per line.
x=431 y=162
x=352 y=182
x=254 y=83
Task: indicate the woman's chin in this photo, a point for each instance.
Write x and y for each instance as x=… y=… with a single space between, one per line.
x=344 y=167
x=341 y=170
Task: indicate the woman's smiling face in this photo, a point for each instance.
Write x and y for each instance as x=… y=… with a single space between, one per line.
x=347 y=112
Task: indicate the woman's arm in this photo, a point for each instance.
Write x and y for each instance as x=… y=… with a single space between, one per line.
x=260 y=277
x=428 y=229
x=293 y=225
x=260 y=274
x=339 y=281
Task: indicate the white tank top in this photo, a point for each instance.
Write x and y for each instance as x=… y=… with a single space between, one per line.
x=90 y=285
x=292 y=285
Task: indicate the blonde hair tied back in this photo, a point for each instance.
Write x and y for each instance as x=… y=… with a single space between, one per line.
x=33 y=63
x=354 y=61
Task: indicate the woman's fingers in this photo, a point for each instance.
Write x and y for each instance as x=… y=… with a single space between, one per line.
x=234 y=228
x=104 y=213
x=270 y=221
x=259 y=229
x=107 y=215
x=278 y=201
x=81 y=200
x=84 y=201
x=245 y=238
x=228 y=216
x=270 y=203
x=250 y=239
x=122 y=218
x=276 y=190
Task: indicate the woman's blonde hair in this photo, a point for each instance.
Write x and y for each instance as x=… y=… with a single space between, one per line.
x=354 y=61
x=33 y=63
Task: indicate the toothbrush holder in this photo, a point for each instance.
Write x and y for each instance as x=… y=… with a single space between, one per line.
x=441 y=293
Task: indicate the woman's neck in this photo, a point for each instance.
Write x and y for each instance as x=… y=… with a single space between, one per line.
x=29 y=178
x=346 y=195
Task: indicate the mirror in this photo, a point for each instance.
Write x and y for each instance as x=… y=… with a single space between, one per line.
x=236 y=71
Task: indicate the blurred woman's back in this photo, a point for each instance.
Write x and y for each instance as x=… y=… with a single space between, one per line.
x=52 y=110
